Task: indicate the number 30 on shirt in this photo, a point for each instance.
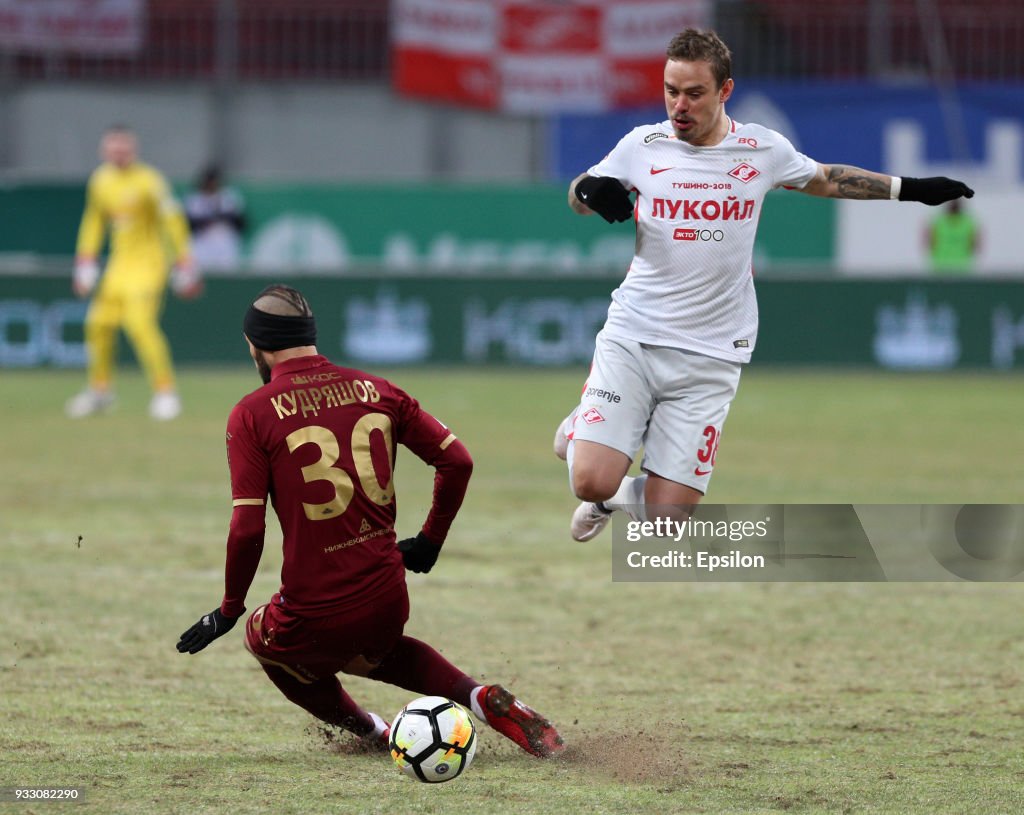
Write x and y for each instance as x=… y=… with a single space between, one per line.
x=330 y=452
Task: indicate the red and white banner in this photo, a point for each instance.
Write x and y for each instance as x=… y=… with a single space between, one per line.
x=537 y=57
x=81 y=26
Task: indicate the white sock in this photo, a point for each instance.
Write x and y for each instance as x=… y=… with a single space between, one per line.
x=629 y=497
x=475 y=703
x=379 y=726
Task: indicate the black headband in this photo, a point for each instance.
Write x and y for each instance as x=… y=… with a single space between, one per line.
x=275 y=332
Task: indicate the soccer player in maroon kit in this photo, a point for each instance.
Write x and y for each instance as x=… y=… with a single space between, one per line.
x=319 y=439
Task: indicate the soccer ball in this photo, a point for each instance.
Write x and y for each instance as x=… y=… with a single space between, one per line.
x=433 y=739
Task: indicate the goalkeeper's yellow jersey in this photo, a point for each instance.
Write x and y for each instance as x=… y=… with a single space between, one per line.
x=147 y=226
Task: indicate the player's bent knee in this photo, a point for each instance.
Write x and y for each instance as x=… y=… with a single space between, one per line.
x=360 y=666
x=590 y=486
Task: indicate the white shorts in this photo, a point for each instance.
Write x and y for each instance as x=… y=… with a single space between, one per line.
x=671 y=402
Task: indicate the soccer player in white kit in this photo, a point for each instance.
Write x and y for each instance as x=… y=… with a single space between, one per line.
x=683 y=322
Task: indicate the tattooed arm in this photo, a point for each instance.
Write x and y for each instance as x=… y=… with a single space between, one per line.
x=844 y=181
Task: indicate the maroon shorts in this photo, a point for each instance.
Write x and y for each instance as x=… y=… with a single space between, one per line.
x=310 y=648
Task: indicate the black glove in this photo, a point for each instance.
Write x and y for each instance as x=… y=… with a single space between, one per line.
x=933 y=191
x=205 y=631
x=419 y=554
x=607 y=197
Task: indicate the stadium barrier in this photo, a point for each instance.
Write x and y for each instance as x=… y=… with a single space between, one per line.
x=378 y=320
x=440 y=228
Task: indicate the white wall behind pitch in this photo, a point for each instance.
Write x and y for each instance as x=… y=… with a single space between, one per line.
x=279 y=131
x=876 y=237
x=57 y=129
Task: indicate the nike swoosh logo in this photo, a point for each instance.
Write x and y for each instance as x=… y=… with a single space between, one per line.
x=662 y=170
x=699 y=471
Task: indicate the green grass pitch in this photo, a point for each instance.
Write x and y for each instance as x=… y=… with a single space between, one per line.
x=713 y=698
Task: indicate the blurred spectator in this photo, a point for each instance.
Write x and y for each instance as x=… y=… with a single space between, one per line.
x=216 y=216
x=953 y=240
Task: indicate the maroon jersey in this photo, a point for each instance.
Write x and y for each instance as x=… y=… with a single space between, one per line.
x=319 y=440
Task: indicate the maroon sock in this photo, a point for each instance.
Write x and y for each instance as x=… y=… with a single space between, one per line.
x=325 y=698
x=417 y=667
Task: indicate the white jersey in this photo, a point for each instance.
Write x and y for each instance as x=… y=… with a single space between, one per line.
x=690 y=284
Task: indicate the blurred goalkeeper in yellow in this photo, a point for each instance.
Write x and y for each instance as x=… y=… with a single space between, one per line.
x=147 y=230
